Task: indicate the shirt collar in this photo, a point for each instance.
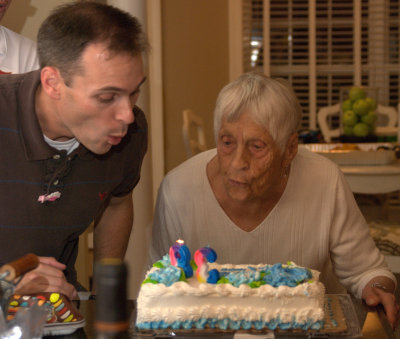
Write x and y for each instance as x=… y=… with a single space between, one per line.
x=31 y=134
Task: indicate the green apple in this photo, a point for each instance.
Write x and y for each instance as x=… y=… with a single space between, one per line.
x=347 y=105
x=361 y=129
x=369 y=118
x=356 y=93
x=361 y=107
x=371 y=103
x=349 y=118
x=348 y=130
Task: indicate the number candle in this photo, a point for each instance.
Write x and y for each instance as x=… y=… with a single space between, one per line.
x=179 y=255
x=202 y=257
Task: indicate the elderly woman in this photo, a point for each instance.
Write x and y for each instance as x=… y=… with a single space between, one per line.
x=258 y=198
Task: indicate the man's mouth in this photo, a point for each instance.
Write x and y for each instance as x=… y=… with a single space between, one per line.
x=114 y=140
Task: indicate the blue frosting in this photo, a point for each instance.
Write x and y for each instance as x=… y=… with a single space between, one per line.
x=212 y=323
x=164 y=262
x=229 y=324
x=167 y=275
x=223 y=324
x=275 y=275
x=240 y=277
x=286 y=276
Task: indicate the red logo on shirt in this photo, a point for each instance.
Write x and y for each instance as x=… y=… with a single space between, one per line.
x=102 y=195
x=1 y=72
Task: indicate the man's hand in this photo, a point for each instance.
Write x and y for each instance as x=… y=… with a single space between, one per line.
x=380 y=291
x=48 y=276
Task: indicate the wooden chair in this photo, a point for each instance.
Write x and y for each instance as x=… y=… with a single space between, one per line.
x=193 y=133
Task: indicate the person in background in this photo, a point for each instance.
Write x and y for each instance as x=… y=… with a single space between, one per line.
x=17 y=53
x=73 y=143
x=258 y=198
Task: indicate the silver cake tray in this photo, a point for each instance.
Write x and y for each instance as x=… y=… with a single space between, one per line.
x=352 y=327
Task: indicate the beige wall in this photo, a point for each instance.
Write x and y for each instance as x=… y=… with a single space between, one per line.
x=195 y=66
x=25 y=16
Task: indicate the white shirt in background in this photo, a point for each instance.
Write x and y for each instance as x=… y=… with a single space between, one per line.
x=17 y=53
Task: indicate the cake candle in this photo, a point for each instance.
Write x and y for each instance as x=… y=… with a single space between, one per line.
x=202 y=257
x=179 y=256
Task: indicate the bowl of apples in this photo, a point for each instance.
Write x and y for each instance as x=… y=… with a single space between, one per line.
x=358 y=114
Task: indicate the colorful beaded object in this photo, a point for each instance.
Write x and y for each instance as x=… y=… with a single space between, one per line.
x=63 y=316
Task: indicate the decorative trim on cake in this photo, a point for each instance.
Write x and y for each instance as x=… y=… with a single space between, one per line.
x=229 y=324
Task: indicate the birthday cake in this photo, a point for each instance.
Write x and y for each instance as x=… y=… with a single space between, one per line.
x=179 y=293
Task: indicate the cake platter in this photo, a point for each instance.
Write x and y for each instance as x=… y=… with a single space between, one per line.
x=340 y=322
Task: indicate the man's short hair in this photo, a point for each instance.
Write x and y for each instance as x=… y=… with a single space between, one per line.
x=70 y=28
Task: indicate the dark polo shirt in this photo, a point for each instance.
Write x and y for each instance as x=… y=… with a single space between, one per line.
x=29 y=167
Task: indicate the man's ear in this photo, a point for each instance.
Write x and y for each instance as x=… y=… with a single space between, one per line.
x=51 y=81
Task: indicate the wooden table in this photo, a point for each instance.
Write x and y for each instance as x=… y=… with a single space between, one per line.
x=368 y=318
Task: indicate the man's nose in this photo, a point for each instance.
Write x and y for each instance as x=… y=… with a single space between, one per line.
x=125 y=112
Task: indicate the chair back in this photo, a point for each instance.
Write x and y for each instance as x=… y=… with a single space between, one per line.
x=193 y=133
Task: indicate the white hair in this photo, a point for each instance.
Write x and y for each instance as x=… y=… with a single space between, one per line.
x=272 y=103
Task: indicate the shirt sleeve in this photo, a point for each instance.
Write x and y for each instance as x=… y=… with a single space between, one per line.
x=28 y=59
x=355 y=257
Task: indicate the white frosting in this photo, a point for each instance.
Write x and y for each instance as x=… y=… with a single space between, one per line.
x=193 y=300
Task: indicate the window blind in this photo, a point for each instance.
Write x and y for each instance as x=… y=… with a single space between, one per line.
x=321 y=46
